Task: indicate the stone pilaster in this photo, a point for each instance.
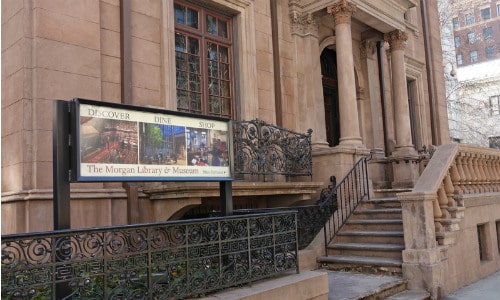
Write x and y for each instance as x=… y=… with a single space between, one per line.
x=304 y=28
x=349 y=120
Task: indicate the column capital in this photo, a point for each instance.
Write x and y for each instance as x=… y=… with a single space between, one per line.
x=341 y=12
x=304 y=23
x=396 y=39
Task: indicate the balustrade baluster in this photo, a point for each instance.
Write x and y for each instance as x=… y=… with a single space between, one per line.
x=448 y=187
x=443 y=202
x=475 y=169
x=455 y=178
x=468 y=174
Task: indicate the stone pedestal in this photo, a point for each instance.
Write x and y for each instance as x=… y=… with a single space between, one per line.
x=405 y=167
x=422 y=259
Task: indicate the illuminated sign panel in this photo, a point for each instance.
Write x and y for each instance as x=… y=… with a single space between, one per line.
x=115 y=142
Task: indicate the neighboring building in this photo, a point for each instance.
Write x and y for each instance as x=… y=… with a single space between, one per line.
x=470 y=33
x=476 y=28
x=365 y=75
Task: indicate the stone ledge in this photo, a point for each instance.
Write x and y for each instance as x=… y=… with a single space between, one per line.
x=307 y=285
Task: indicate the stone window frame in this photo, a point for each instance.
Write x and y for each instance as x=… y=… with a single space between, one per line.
x=415 y=72
x=456 y=23
x=245 y=88
x=471 y=38
x=485 y=16
x=210 y=84
x=489 y=52
x=469 y=18
x=473 y=57
x=494 y=105
x=488 y=33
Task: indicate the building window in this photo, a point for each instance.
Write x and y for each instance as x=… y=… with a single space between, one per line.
x=495 y=105
x=489 y=52
x=469 y=19
x=457 y=42
x=456 y=25
x=203 y=49
x=495 y=144
x=488 y=33
x=473 y=56
x=471 y=36
x=498 y=10
x=459 y=60
x=483 y=242
x=485 y=13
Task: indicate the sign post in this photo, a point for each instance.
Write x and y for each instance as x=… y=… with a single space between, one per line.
x=61 y=164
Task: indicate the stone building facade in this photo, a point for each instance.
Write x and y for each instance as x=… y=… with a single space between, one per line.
x=365 y=76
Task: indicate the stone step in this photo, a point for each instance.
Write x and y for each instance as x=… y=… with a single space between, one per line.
x=365 y=249
x=363 y=264
x=386 y=213
x=387 y=202
x=379 y=193
x=374 y=224
x=411 y=295
x=371 y=237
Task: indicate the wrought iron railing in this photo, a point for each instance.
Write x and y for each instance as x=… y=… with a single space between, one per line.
x=347 y=194
x=152 y=261
x=266 y=149
x=310 y=218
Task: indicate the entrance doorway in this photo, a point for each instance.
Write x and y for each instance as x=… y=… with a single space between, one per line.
x=330 y=96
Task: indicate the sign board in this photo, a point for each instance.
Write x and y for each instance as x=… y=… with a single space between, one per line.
x=116 y=142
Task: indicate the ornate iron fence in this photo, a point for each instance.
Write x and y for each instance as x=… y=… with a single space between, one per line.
x=151 y=261
x=310 y=218
x=347 y=195
x=266 y=149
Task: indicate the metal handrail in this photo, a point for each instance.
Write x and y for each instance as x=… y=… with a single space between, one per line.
x=345 y=196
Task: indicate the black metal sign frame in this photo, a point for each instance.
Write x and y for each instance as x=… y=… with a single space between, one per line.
x=117 y=142
x=113 y=141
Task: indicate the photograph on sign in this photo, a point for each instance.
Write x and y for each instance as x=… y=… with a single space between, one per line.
x=117 y=143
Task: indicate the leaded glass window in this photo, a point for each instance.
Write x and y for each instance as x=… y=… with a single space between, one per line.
x=203 y=50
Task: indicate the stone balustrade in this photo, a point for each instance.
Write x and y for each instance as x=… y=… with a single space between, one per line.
x=456 y=177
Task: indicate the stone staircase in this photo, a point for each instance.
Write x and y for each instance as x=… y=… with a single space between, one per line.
x=371 y=241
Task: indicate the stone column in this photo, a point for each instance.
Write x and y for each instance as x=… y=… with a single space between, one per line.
x=405 y=166
x=349 y=123
x=396 y=40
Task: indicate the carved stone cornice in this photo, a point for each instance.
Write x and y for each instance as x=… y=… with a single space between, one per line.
x=396 y=39
x=341 y=12
x=303 y=23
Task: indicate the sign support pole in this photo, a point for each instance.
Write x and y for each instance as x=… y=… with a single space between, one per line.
x=61 y=181
x=61 y=164
x=226 y=197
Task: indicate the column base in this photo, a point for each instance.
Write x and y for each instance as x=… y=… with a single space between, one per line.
x=351 y=141
x=405 y=167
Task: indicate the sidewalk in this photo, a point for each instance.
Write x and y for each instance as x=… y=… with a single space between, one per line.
x=485 y=289
x=345 y=285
